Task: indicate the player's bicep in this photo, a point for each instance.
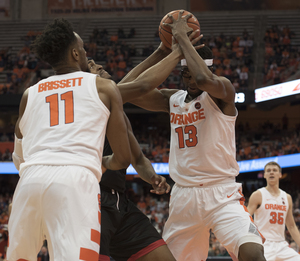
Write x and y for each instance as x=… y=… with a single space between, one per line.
x=254 y=202
x=131 y=90
x=156 y=100
x=116 y=132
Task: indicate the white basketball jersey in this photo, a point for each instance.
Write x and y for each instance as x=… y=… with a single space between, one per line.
x=271 y=215
x=64 y=123
x=202 y=141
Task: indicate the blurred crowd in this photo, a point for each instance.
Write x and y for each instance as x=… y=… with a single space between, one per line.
x=232 y=58
x=21 y=68
x=282 y=55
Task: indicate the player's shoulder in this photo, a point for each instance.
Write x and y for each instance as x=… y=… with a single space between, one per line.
x=256 y=196
x=105 y=85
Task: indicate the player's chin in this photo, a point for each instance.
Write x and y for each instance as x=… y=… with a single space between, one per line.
x=194 y=91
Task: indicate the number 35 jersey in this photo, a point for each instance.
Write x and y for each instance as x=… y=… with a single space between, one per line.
x=202 y=146
x=64 y=123
x=271 y=215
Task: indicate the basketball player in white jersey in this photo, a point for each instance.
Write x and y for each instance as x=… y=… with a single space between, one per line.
x=202 y=161
x=58 y=150
x=273 y=210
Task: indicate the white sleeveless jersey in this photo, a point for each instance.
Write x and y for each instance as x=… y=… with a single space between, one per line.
x=202 y=141
x=271 y=215
x=64 y=123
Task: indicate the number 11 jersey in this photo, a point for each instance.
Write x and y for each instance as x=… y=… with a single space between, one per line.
x=64 y=123
x=202 y=146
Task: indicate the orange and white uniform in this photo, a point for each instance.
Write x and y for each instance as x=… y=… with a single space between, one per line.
x=270 y=219
x=205 y=195
x=58 y=195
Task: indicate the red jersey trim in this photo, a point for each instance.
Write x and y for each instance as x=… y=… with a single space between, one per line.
x=147 y=249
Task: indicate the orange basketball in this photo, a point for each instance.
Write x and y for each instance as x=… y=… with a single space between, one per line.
x=165 y=33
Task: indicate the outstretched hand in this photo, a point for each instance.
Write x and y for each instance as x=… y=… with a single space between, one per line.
x=160 y=185
x=179 y=26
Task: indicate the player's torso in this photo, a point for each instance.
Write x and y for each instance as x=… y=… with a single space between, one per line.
x=271 y=215
x=202 y=141
x=64 y=122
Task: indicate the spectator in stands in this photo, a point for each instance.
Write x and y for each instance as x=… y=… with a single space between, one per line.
x=131 y=33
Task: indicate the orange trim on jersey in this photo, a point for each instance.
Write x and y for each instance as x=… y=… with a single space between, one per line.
x=147 y=249
x=88 y=254
x=99 y=217
x=104 y=258
x=95 y=236
x=22 y=259
x=242 y=200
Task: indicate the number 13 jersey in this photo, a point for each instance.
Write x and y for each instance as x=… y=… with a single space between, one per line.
x=202 y=146
x=271 y=215
x=64 y=123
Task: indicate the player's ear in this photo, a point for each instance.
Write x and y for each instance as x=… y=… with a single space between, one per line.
x=75 y=54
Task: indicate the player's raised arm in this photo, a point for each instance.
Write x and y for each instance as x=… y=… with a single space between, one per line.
x=160 y=53
x=254 y=202
x=116 y=131
x=218 y=87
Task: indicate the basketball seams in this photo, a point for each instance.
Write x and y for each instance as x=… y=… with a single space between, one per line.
x=162 y=28
x=164 y=38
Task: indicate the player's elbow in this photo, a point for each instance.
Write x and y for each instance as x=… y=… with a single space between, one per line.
x=145 y=86
x=124 y=161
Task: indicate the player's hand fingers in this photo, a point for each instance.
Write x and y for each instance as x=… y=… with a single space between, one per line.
x=180 y=15
x=168 y=188
x=194 y=33
x=168 y=25
x=162 y=182
x=158 y=191
x=199 y=46
x=187 y=17
x=171 y=17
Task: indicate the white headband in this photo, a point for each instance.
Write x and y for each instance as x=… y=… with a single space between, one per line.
x=208 y=62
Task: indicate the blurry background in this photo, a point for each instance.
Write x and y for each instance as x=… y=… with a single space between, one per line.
x=256 y=44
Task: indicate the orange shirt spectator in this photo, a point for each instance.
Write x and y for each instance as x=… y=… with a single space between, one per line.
x=122 y=64
x=114 y=38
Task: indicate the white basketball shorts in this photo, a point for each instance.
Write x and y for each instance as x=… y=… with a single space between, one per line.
x=279 y=251
x=196 y=210
x=60 y=204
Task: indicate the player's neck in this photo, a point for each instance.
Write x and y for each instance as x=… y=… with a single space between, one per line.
x=66 y=68
x=273 y=189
